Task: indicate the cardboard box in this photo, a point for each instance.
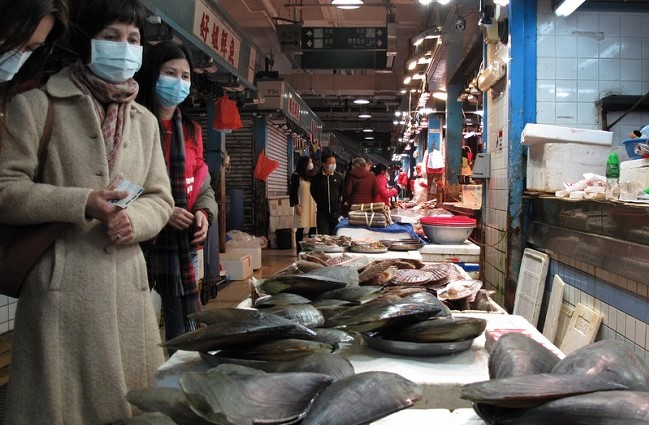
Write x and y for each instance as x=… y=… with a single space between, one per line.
x=237 y=266
x=550 y=165
x=255 y=253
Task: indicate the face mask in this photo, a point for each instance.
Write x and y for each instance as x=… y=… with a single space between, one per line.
x=11 y=62
x=115 y=61
x=171 y=91
x=309 y=166
x=332 y=167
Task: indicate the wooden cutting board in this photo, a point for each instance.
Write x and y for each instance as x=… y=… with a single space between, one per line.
x=554 y=308
x=582 y=329
x=530 y=285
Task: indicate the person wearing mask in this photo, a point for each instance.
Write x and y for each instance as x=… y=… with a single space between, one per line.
x=360 y=185
x=28 y=31
x=85 y=329
x=326 y=190
x=304 y=216
x=383 y=191
x=172 y=257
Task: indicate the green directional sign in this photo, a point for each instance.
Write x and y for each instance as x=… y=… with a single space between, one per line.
x=353 y=38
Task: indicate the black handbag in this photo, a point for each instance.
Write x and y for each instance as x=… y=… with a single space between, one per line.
x=22 y=246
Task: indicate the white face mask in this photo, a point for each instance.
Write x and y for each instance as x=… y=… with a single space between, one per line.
x=11 y=62
x=332 y=167
x=115 y=61
x=309 y=166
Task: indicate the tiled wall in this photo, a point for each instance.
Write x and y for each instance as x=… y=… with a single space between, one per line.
x=495 y=214
x=586 y=56
x=622 y=302
x=7 y=313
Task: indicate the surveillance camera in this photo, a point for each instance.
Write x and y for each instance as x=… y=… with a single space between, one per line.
x=460 y=24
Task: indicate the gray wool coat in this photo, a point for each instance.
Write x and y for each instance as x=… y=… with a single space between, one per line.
x=85 y=331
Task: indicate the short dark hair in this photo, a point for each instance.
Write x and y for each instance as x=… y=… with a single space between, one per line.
x=379 y=168
x=89 y=17
x=147 y=77
x=19 y=19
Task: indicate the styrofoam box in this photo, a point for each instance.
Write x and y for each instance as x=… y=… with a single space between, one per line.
x=636 y=170
x=237 y=266
x=550 y=165
x=468 y=252
x=255 y=253
x=542 y=133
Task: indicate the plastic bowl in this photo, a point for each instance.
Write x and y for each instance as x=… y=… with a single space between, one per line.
x=629 y=145
x=447 y=235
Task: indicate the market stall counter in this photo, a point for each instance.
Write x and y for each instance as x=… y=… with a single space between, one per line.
x=440 y=377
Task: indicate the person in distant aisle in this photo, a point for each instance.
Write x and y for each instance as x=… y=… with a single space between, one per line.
x=360 y=184
x=419 y=185
x=172 y=257
x=85 y=330
x=326 y=190
x=383 y=192
x=301 y=199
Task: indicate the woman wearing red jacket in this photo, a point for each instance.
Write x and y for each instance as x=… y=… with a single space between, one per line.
x=383 y=192
x=172 y=258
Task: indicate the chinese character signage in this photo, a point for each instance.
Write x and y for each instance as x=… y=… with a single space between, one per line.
x=294 y=110
x=215 y=34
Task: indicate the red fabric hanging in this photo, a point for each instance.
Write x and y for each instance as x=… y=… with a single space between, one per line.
x=226 y=114
x=264 y=166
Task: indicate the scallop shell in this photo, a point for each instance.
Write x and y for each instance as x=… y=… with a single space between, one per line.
x=459 y=289
x=412 y=277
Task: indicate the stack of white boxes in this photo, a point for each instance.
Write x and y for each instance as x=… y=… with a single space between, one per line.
x=281 y=216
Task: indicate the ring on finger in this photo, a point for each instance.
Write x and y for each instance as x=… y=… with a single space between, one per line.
x=119 y=236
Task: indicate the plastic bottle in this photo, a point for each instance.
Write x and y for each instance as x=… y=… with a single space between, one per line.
x=613 y=177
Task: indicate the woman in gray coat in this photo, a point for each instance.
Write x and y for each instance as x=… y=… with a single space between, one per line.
x=85 y=331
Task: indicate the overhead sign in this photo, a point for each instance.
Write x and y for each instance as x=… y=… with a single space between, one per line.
x=337 y=38
x=216 y=34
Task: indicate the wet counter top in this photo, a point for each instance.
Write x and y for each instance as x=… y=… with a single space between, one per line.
x=440 y=377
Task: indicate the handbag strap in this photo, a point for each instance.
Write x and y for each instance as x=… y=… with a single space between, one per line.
x=44 y=142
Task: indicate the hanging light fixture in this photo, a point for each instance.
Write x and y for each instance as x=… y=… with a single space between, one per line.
x=368 y=129
x=347 y=4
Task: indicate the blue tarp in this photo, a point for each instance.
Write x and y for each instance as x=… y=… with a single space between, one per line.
x=392 y=228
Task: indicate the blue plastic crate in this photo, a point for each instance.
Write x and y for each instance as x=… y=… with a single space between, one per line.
x=629 y=145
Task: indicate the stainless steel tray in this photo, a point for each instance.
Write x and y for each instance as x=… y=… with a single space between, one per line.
x=416 y=348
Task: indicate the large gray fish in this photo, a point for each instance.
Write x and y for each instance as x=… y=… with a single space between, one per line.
x=272 y=398
x=599 y=408
x=516 y=354
x=313 y=283
x=279 y=350
x=609 y=360
x=285 y=298
x=304 y=314
x=355 y=294
x=439 y=329
x=361 y=399
x=170 y=401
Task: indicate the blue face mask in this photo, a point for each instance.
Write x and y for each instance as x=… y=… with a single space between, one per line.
x=171 y=91
x=11 y=62
x=115 y=61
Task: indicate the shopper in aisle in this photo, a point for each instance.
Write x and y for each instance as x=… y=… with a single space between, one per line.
x=304 y=216
x=419 y=185
x=172 y=257
x=85 y=331
x=326 y=190
x=360 y=184
x=383 y=191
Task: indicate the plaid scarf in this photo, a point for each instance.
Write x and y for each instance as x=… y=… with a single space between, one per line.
x=111 y=101
x=170 y=265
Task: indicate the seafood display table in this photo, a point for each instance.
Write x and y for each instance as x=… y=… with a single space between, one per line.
x=440 y=377
x=432 y=416
x=414 y=255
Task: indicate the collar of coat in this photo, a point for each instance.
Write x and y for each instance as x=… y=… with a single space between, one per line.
x=60 y=85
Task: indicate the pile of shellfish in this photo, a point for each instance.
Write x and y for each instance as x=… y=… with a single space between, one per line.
x=602 y=383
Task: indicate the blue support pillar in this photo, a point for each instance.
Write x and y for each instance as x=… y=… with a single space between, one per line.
x=522 y=109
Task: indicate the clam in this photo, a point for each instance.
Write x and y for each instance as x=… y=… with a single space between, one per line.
x=313 y=283
x=252 y=399
x=609 y=360
x=278 y=350
x=515 y=354
x=375 y=316
x=459 y=289
x=439 y=329
x=304 y=314
x=361 y=399
x=253 y=327
x=532 y=390
x=334 y=336
x=355 y=294
x=598 y=408
x=307 y=266
x=333 y=365
x=170 y=401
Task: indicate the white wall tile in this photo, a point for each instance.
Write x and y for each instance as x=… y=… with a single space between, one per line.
x=609 y=87
x=566 y=91
x=546 y=113
x=567 y=68
x=587 y=91
x=631 y=25
x=609 y=23
x=609 y=48
x=546 y=68
x=545 y=90
x=545 y=46
x=631 y=48
x=587 y=21
x=631 y=88
x=4 y=300
x=630 y=70
x=587 y=47
x=545 y=24
x=566 y=113
x=566 y=46
x=609 y=69
x=587 y=114
x=588 y=69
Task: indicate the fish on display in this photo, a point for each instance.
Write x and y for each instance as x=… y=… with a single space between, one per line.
x=439 y=329
x=281 y=350
x=311 y=284
x=304 y=314
x=516 y=354
x=170 y=401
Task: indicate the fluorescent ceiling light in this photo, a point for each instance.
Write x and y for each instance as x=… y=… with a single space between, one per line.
x=397 y=113
x=501 y=2
x=443 y=1
x=412 y=64
x=368 y=129
x=567 y=7
x=364 y=114
x=354 y=4
x=369 y=137
x=407 y=79
x=425 y=2
x=360 y=100
x=441 y=95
